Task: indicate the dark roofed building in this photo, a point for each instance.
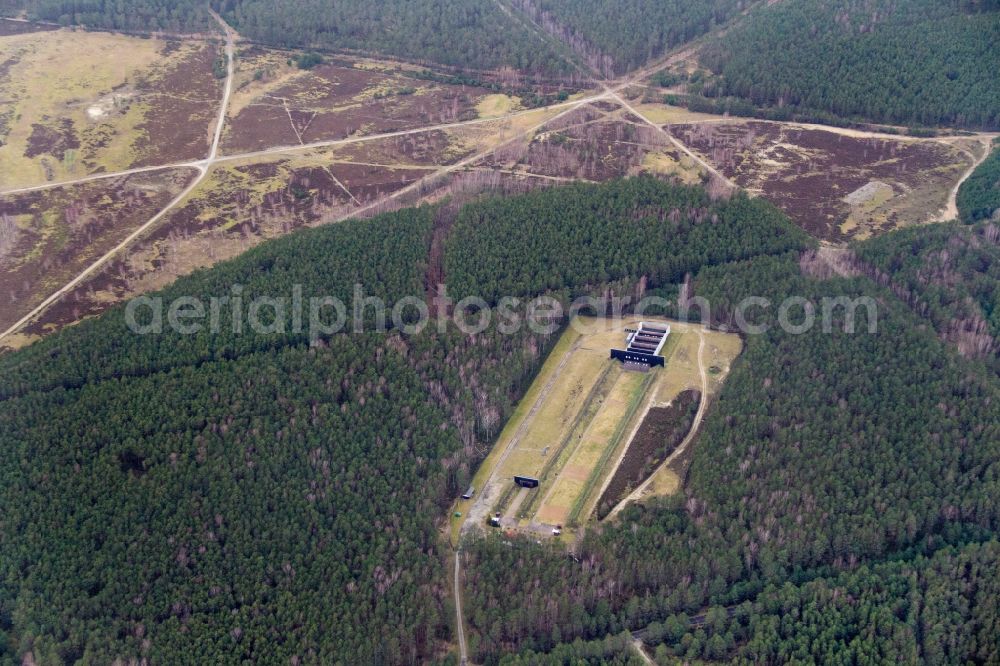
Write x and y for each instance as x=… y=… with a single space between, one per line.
x=643 y=345
x=526 y=481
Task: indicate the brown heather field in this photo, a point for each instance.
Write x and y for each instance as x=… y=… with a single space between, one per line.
x=74 y=107
x=835 y=185
x=48 y=237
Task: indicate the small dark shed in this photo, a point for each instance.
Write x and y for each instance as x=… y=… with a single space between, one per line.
x=526 y=481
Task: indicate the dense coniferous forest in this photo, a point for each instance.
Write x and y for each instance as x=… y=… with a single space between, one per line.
x=460 y=33
x=267 y=496
x=979 y=196
x=940 y=609
x=615 y=37
x=948 y=274
x=610 y=651
x=271 y=501
x=130 y=15
x=10 y=7
x=916 y=63
x=823 y=451
x=583 y=235
x=329 y=262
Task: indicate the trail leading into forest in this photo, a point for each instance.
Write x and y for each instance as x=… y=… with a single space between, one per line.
x=227 y=90
x=611 y=91
x=637 y=644
x=673 y=140
x=459 y=621
x=950 y=211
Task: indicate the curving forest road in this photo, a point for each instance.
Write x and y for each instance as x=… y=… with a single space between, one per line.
x=641 y=490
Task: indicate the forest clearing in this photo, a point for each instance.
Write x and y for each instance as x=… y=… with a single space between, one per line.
x=219 y=442
x=575 y=424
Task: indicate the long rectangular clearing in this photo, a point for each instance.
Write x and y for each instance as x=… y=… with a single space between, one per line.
x=556 y=415
x=575 y=423
x=601 y=434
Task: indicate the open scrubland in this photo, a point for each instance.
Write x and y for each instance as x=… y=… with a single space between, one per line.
x=836 y=184
x=597 y=142
x=50 y=236
x=349 y=135
x=276 y=103
x=74 y=106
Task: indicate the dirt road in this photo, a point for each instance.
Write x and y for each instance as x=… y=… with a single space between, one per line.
x=611 y=91
x=638 y=493
x=295 y=148
x=459 y=621
x=202 y=169
x=950 y=211
x=673 y=140
x=203 y=166
x=220 y=123
x=637 y=644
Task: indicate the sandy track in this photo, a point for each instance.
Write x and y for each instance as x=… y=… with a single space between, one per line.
x=950 y=211
x=639 y=492
x=65 y=289
x=459 y=621
x=677 y=144
x=202 y=166
x=611 y=91
x=637 y=644
x=296 y=148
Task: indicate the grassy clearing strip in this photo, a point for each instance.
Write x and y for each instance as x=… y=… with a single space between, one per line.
x=562 y=346
x=505 y=499
x=598 y=471
x=564 y=451
x=591 y=405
